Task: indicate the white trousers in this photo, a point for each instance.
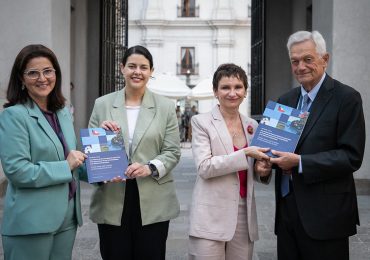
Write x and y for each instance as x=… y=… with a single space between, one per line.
x=238 y=248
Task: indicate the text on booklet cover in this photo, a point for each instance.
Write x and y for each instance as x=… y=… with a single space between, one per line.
x=106 y=154
x=280 y=128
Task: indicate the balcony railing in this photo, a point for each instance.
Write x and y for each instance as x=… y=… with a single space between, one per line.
x=194 y=70
x=188 y=12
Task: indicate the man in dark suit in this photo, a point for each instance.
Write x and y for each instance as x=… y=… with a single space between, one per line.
x=316 y=205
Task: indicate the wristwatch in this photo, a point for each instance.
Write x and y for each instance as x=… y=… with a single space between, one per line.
x=153 y=169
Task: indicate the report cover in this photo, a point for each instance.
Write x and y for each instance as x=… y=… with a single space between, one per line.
x=106 y=154
x=280 y=128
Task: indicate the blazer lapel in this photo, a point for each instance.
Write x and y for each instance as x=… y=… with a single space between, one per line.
x=317 y=107
x=67 y=128
x=294 y=98
x=146 y=115
x=34 y=111
x=246 y=123
x=221 y=129
x=119 y=115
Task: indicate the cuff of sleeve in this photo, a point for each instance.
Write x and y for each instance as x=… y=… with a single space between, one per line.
x=238 y=161
x=160 y=168
x=243 y=159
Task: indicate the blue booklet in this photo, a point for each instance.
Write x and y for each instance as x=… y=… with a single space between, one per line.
x=280 y=128
x=106 y=153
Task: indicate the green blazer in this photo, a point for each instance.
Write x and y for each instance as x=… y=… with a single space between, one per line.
x=156 y=137
x=38 y=175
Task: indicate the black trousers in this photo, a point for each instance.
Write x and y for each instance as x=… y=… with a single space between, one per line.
x=132 y=240
x=293 y=243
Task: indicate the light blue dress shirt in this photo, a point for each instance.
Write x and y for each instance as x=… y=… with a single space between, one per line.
x=312 y=95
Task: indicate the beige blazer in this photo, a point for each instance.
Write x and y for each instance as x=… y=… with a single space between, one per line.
x=156 y=137
x=215 y=200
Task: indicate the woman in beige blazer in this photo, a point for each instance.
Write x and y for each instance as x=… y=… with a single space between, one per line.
x=133 y=215
x=223 y=220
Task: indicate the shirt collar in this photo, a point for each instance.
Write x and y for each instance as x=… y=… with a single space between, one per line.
x=312 y=94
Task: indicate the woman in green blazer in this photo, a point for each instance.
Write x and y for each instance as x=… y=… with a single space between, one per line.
x=42 y=204
x=133 y=215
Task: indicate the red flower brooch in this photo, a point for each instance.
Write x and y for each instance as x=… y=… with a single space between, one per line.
x=250 y=129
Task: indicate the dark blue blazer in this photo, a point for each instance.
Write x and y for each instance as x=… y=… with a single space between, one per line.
x=331 y=148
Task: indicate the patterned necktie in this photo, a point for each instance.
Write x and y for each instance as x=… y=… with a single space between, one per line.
x=285 y=177
x=305 y=102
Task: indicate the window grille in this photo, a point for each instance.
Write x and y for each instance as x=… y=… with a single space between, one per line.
x=258 y=58
x=114 y=32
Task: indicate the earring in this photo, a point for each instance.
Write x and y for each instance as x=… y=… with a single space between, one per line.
x=23 y=87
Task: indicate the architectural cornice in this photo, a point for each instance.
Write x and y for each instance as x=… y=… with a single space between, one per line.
x=181 y=23
x=226 y=43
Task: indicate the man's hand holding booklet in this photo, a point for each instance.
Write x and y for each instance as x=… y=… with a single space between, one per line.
x=280 y=128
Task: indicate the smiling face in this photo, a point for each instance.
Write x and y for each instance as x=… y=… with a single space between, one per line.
x=307 y=65
x=230 y=92
x=39 y=88
x=136 y=72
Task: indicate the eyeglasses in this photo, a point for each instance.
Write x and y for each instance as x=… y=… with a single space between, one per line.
x=36 y=74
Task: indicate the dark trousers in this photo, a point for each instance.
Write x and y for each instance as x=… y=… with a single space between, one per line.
x=293 y=243
x=131 y=240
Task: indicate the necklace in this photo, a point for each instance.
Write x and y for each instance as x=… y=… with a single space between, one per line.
x=233 y=123
x=234 y=128
x=236 y=134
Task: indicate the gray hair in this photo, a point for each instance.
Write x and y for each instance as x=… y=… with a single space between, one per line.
x=302 y=36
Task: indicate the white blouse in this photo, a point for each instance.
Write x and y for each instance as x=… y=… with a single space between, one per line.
x=132 y=115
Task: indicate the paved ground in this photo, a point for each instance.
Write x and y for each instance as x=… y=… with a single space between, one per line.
x=87 y=246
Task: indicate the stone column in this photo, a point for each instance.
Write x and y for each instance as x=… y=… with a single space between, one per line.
x=346 y=30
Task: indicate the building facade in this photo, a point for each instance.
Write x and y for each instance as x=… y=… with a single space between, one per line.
x=191 y=38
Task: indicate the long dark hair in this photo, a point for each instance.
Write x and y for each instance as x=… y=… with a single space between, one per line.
x=16 y=95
